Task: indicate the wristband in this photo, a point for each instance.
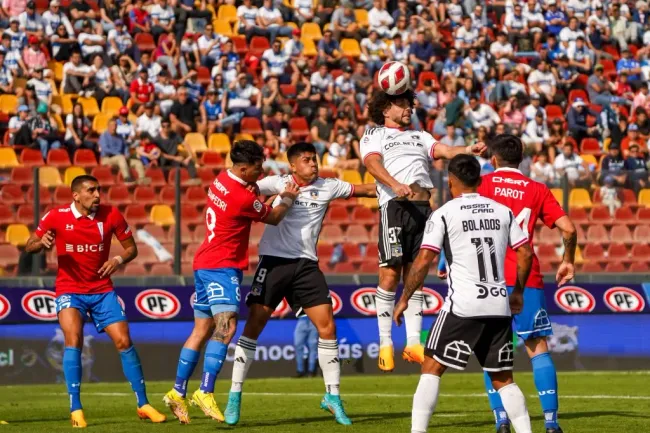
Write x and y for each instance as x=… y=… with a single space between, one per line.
x=119 y=259
x=287 y=201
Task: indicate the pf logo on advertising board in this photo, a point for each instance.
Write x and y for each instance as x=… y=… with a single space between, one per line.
x=363 y=300
x=40 y=304
x=157 y=304
x=624 y=300
x=337 y=303
x=574 y=299
x=432 y=302
x=5 y=307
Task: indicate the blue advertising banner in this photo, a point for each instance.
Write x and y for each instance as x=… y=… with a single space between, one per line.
x=20 y=305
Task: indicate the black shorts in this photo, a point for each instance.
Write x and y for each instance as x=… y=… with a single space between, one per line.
x=401 y=228
x=300 y=281
x=452 y=340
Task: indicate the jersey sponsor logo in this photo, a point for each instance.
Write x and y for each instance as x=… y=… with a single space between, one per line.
x=392 y=144
x=5 y=307
x=282 y=309
x=518 y=182
x=573 y=299
x=157 y=304
x=337 y=303
x=432 y=301
x=219 y=186
x=84 y=248
x=40 y=304
x=363 y=300
x=624 y=300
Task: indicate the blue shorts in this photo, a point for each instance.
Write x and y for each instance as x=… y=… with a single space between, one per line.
x=103 y=308
x=533 y=321
x=217 y=291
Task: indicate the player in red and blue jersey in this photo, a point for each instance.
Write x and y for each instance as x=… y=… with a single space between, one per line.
x=529 y=201
x=218 y=269
x=82 y=233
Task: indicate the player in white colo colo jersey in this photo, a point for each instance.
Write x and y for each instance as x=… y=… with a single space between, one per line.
x=400 y=159
x=475 y=233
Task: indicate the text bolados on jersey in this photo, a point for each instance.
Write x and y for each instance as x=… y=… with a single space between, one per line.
x=475 y=233
x=407 y=156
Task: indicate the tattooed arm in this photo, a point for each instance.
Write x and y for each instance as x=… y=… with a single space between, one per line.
x=566 y=271
x=225 y=327
x=414 y=281
x=35 y=243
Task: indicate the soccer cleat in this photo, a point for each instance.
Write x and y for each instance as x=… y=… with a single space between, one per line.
x=233 y=408
x=78 y=419
x=334 y=404
x=554 y=430
x=504 y=428
x=386 y=360
x=178 y=405
x=148 y=412
x=205 y=401
x=414 y=353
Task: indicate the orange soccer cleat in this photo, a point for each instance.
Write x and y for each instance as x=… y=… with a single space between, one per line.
x=414 y=353
x=78 y=419
x=148 y=412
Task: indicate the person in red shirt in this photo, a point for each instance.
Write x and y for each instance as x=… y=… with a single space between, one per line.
x=529 y=201
x=82 y=233
x=142 y=91
x=218 y=270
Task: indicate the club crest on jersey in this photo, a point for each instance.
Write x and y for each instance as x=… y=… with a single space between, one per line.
x=396 y=250
x=415 y=137
x=313 y=194
x=257 y=206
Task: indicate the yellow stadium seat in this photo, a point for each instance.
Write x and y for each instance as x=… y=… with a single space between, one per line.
x=49 y=177
x=66 y=103
x=55 y=90
x=351 y=47
x=59 y=122
x=589 y=159
x=367 y=178
x=219 y=142
x=100 y=123
x=196 y=141
x=579 y=197
x=369 y=202
x=162 y=215
x=282 y=157
x=644 y=197
x=309 y=47
x=227 y=12
x=222 y=27
x=351 y=176
x=326 y=27
x=8 y=158
x=311 y=31
x=558 y=193
x=111 y=105
x=228 y=160
x=243 y=137
x=17 y=235
x=57 y=70
x=291 y=24
x=362 y=17
x=8 y=104
x=326 y=157
x=91 y=109
x=71 y=173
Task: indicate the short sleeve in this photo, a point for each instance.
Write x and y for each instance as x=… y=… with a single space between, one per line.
x=434 y=233
x=120 y=227
x=271 y=185
x=551 y=210
x=46 y=224
x=371 y=143
x=254 y=209
x=516 y=237
x=430 y=144
x=340 y=189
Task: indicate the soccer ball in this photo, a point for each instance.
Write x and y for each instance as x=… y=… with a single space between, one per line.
x=394 y=78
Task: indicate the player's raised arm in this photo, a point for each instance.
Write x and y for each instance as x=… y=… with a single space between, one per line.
x=288 y=196
x=374 y=164
x=442 y=151
x=365 y=190
x=566 y=271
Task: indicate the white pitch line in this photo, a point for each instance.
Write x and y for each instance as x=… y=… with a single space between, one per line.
x=377 y=395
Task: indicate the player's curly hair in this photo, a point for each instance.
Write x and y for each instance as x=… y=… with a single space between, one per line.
x=379 y=101
x=466 y=169
x=508 y=148
x=246 y=152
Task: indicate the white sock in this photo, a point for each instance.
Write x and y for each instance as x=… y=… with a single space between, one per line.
x=328 y=359
x=413 y=319
x=424 y=402
x=385 y=304
x=514 y=403
x=244 y=356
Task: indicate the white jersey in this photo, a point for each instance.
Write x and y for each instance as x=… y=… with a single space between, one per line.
x=407 y=156
x=297 y=234
x=474 y=232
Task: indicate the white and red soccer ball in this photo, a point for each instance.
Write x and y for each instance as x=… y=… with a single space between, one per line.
x=394 y=78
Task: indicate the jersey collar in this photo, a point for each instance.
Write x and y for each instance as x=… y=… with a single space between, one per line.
x=78 y=214
x=236 y=178
x=513 y=170
x=469 y=195
x=297 y=182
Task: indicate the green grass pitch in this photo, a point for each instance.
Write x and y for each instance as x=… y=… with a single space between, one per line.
x=589 y=403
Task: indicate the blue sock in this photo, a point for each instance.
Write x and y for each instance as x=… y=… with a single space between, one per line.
x=133 y=372
x=546 y=384
x=500 y=415
x=186 y=364
x=215 y=355
x=72 y=373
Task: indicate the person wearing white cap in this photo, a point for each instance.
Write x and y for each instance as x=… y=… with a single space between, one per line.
x=16 y=122
x=53 y=17
x=577 y=119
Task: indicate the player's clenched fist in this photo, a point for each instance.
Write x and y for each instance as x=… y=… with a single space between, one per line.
x=48 y=240
x=477 y=149
x=402 y=190
x=291 y=191
x=516 y=302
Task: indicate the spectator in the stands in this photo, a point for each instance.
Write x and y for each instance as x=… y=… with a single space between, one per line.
x=147 y=151
x=379 y=19
x=571 y=164
x=421 y=54
x=475 y=67
x=17 y=121
x=275 y=62
x=344 y=88
x=247 y=16
x=18 y=38
x=42 y=87
x=362 y=83
x=630 y=65
x=637 y=167
x=322 y=85
x=170 y=156
x=198 y=12
x=195 y=90
x=54 y=17
x=556 y=20
x=78 y=77
x=116 y=153
x=329 y=51
x=109 y=13
x=31 y=21
x=536 y=133
x=77 y=129
x=153 y=69
x=277 y=131
x=162 y=19
x=92 y=42
x=13 y=8
x=466 y=36
x=213 y=118
x=167 y=53
x=123 y=73
x=373 y=52
x=165 y=93
x=427 y=99
x=304 y=12
x=63 y=43
x=273 y=99
x=398 y=51
x=632 y=138
x=229 y=65
x=613 y=165
x=340 y=154
x=402 y=11
x=566 y=74
x=240 y=93
x=322 y=132
x=513 y=115
x=623 y=87
x=578 y=123
x=210 y=46
x=452 y=64
x=139 y=20
x=124 y=126
x=542 y=171
x=120 y=40
x=80 y=11
x=542 y=82
x=581 y=56
x=452 y=138
x=294 y=48
x=344 y=23
x=104 y=85
x=6 y=77
x=142 y=91
x=600 y=88
x=44 y=130
x=183 y=114
x=28 y=98
x=148 y=121
x=623 y=31
x=479 y=114
x=270 y=22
